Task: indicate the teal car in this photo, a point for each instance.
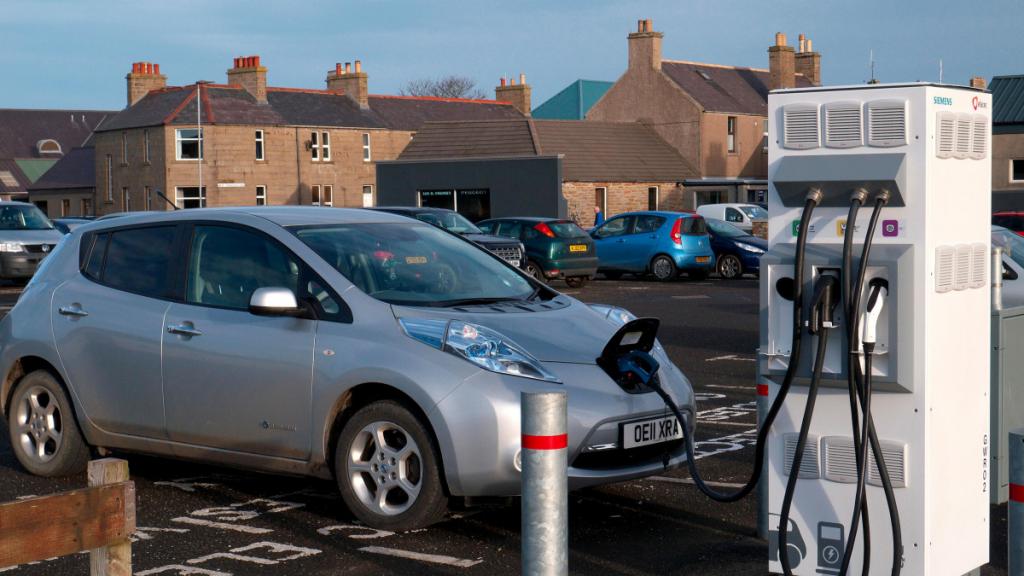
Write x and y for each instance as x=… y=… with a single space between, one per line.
x=555 y=248
x=663 y=244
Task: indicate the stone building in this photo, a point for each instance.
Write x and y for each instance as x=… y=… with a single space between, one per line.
x=714 y=115
x=1007 y=141
x=248 y=143
x=69 y=187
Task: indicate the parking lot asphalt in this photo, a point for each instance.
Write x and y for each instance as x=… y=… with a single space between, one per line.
x=210 y=521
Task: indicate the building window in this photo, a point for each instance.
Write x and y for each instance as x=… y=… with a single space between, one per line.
x=147 y=198
x=86 y=207
x=1017 y=170
x=190 y=197
x=367 y=196
x=474 y=204
x=323 y=195
x=110 y=178
x=259 y=144
x=126 y=200
x=730 y=139
x=188 y=143
x=366 y=147
x=601 y=200
x=124 y=148
x=321 y=146
x=261 y=195
x=65 y=207
x=145 y=146
x=48 y=147
x=652 y=198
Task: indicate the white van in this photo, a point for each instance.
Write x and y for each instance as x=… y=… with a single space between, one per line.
x=741 y=216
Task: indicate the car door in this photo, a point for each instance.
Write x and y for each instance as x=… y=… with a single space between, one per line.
x=107 y=325
x=643 y=242
x=234 y=380
x=610 y=242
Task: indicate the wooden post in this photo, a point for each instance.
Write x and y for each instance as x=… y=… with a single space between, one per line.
x=115 y=559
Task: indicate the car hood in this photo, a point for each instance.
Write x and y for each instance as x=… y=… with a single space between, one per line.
x=488 y=240
x=31 y=236
x=753 y=241
x=574 y=334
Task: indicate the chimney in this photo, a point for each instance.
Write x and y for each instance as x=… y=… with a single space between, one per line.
x=145 y=76
x=517 y=94
x=978 y=82
x=350 y=83
x=249 y=74
x=808 y=62
x=782 y=64
x=645 y=47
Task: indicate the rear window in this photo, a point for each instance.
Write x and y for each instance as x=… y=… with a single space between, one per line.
x=694 y=226
x=566 y=229
x=137 y=260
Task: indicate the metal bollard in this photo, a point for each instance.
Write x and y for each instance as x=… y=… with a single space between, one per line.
x=997 y=278
x=545 y=484
x=763 y=405
x=1015 y=507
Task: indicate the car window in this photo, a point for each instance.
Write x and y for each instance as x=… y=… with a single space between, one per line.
x=487 y=227
x=733 y=215
x=724 y=229
x=94 y=265
x=646 y=224
x=511 y=229
x=566 y=229
x=694 y=226
x=23 y=217
x=755 y=212
x=615 y=227
x=138 y=260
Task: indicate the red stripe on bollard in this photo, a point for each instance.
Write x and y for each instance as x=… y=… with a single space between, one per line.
x=762 y=389
x=556 y=442
x=1016 y=493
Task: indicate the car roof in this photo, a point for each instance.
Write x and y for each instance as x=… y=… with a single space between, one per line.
x=527 y=219
x=665 y=213
x=281 y=215
x=411 y=209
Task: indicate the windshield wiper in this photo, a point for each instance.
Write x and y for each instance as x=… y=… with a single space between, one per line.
x=470 y=302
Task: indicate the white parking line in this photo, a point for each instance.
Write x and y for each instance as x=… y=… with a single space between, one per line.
x=730 y=357
x=222 y=525
x=691 y=482
x=725 y=387
x=431 y=558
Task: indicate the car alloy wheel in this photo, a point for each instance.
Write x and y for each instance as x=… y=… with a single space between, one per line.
x=39 y=424
x=730 y=267
x=663 y=268
x=42 y=427
x=386 y=468
x=533 y=270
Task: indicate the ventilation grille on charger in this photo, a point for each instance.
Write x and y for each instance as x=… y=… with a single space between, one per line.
x=840 y=462
x=895 y=456
x=887 y=123
x=809 y=463
x=945 y=137
x=944 y=260
x=961 y=267
x=979 y=265
x=962 y=273
x=979 y=146
x=843 y=125
x=800 y=126
x=964 y=129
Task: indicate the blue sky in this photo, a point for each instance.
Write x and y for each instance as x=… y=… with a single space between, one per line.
x=75 y=53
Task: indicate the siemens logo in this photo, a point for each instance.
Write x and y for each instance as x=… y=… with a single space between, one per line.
x=942 y=101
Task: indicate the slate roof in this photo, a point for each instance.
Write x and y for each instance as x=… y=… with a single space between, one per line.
x=592 y=151
x=573 y=102
x=227 y=104
x=1007 y=100
x=726 y=89
x=21 y=130
x=77 y=169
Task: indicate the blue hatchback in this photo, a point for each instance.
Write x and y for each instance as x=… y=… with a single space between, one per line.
x=660 y=243
x=736 y=251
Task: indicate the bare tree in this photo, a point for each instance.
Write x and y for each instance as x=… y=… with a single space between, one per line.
x=445 y=87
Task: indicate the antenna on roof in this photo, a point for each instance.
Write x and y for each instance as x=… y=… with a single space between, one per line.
x=871 y=64
x=166 y=199
x=940 y=70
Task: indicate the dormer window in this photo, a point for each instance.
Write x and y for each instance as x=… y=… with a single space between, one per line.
x=48 y=147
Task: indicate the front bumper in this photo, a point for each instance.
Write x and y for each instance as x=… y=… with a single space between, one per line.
x=478 y=429
x=751 y=262
x=19 y=264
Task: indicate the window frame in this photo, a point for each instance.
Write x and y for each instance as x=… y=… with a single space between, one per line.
x=325 y=146
x=124 y=148
x=367 y=152
x=178 y=140
x=65 y=206
x=110 y=179
x=657 y=198
x=730 y=134
x=372 y=196
x=148 y=197
x=260 y=146
x=261 y=194
x=604 y=200
x=146 y=148
x=1012 y=161
x=178 y=197
x=86 y=206
x=126 y=199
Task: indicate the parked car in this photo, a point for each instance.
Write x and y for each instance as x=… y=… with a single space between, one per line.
x=660 y=243
x=736 y=252
x=450 y=220
x=349 y=344
x=1013 y=221
x=1013 y=264
x=554 y=248
x=741 y=216
x=66 y=225
x=26 y=237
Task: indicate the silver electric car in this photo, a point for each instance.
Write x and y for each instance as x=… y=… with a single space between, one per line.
x=386 y=353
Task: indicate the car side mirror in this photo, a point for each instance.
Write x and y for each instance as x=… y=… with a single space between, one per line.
x=275 y=301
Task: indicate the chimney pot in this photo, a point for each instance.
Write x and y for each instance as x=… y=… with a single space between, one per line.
x=809 y=49
x=802 y=44
x=639 y=25
x=257 y=60
x=156 y=69
x=780 y=39
x=502 y=80
x=650 y=25
x=522 y=78
x=348 y=67
x=144 y=78
x=337 y=69
x=149 y=67
x=359 y=66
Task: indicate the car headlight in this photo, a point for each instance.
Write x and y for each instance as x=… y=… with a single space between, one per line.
x=749 y=248
x=614 y=314
x=482 y=346
x=11 y=247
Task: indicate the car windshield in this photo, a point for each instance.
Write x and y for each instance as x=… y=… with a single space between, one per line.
x=23 y=217
x=415 y=265
x=1010 y=242
x=755 y=212
x=566 y=229
x=450 y=221
x=724 y=229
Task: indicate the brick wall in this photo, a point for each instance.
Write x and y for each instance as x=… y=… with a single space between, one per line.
x=621 y=197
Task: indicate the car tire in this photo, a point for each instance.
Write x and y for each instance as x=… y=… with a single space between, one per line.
x=663 y=268
x=534 y=270
x=43 y=429
x=729 y=267
x=409 y=468
x=611 y=275
x=577 y=281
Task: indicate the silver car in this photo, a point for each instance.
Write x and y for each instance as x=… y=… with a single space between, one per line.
x=383 y=352
x=26 y=237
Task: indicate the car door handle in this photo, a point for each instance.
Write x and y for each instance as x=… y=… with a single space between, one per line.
x=183 y=330
x=74 y=311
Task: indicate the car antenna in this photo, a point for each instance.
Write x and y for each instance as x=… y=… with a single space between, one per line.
x=168 y=200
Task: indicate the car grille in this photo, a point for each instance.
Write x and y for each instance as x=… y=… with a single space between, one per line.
x=619 y=458
x=510 y=254
x=39 y=248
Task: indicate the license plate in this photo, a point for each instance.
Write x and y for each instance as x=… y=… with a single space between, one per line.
x=653 y=431
x=577 y=248
x=702 y=259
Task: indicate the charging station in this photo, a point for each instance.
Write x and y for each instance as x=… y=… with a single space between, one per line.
x=918 y=154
